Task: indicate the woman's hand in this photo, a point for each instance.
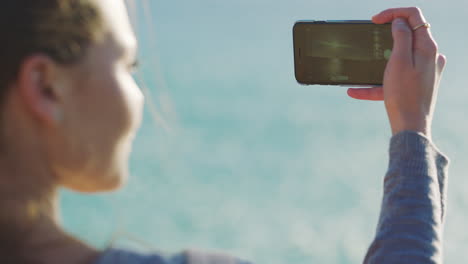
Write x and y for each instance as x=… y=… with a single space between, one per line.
x=412 y=75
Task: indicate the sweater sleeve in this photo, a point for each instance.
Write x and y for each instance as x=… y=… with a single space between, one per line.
x=413 y=206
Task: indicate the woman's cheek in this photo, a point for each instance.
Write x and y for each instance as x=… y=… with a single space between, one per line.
x=133 y=99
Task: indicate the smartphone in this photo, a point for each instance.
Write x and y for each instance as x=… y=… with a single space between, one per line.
x=341 y=52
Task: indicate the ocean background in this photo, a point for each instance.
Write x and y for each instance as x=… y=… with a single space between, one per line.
x=234 y=155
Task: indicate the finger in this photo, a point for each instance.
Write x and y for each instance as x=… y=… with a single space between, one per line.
x=414 y=16
x=441 y=62
x=370 y=94
x=402 y=53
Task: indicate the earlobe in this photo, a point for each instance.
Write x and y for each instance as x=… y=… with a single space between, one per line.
x=35 y=82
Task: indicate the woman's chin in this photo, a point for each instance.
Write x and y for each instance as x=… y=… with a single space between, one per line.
x=113 y=182
x=100 y=183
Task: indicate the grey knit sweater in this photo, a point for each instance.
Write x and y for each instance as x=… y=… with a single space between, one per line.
x=411 y=217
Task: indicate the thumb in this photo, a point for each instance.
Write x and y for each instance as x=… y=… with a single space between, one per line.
x=402 y=42
x=370 y=94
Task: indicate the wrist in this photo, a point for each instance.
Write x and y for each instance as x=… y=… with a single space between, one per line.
x=419 y=127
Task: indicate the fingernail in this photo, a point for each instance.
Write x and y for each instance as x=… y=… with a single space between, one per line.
x=400 y=21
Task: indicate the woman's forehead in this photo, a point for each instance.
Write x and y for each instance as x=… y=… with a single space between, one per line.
x=117 y=22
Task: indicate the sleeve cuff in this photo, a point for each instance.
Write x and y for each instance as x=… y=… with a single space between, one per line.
x=412 y=150
x=407 y=142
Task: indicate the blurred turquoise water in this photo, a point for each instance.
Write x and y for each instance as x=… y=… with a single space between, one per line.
x=248 y=161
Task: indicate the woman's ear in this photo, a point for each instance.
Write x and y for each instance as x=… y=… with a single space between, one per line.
x=37 y=85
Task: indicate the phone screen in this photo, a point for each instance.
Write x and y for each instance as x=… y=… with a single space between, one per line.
x=341 y=52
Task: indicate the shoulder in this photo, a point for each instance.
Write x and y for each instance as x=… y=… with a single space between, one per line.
x=117 y=256
x=121 y=256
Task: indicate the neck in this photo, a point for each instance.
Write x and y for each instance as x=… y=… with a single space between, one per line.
x=30 y=223
x=27 y=195
x=29 y=215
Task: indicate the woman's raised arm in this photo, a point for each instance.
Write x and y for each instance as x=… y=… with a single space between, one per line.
x=411 y=218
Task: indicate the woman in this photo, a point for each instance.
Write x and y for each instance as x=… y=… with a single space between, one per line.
x=70 y=109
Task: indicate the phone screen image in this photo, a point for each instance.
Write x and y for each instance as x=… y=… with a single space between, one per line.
x=341 y=52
